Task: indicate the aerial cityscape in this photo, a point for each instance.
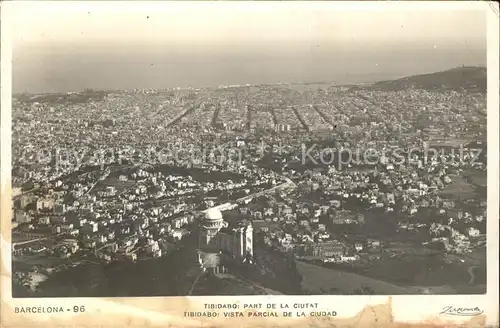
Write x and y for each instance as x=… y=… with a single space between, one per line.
x=233 y=182
x=286 y=188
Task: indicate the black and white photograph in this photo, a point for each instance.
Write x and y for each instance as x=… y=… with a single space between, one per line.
x=239 y=150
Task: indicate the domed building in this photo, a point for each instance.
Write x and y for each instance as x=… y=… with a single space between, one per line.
x=213 y=215
x=210 y=226
x=216 y=235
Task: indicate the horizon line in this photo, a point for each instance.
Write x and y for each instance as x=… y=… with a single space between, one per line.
x=241 y=85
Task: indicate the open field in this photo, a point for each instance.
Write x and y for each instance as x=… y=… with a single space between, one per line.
x=319 y=280
x=446 y=274
x=475 y=177
x=27 y=262
x=459 y=189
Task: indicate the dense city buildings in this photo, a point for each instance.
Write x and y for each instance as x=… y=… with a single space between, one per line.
x=366 y=179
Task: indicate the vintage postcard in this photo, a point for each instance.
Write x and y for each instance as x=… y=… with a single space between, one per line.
x=249 y=164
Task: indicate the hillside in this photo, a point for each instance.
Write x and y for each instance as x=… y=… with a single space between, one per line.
x=229 y=285
x=472 y=79
x=319 y=280
x=62 y=98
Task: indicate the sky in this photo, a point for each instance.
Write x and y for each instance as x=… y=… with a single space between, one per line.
x=60 y=47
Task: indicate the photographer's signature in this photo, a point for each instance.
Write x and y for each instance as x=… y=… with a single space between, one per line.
x=467 y=312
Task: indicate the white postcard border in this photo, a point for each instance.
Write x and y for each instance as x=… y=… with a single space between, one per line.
x=422 y=309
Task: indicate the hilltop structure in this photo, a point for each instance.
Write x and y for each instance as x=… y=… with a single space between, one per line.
x=217 y=236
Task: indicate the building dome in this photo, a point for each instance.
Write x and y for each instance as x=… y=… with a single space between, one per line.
x=213 y=215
